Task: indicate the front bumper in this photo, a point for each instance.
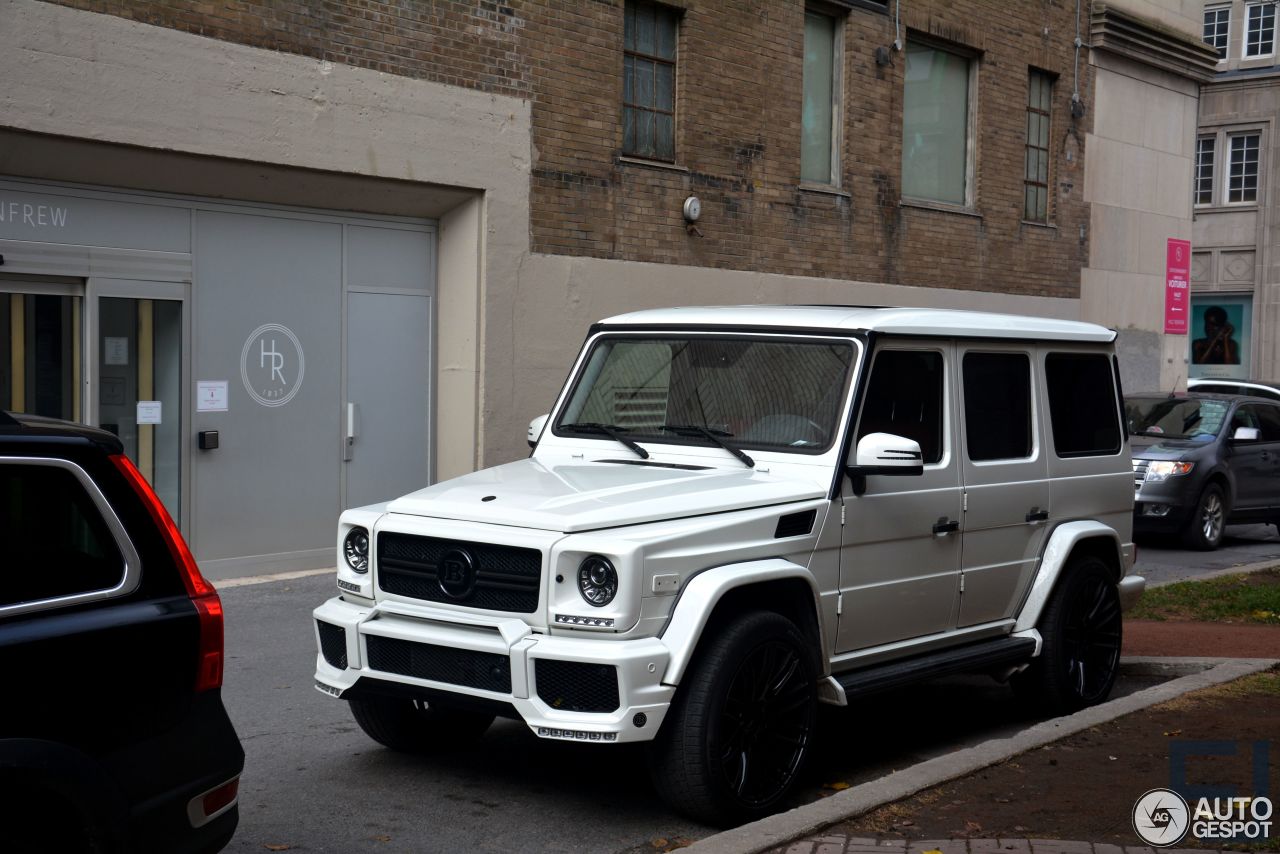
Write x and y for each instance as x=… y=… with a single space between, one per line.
x=1164 y=507
x=1131 y=590
x=498 y=660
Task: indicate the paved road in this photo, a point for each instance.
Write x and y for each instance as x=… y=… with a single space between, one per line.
x=314 y=782
x=1243 y=545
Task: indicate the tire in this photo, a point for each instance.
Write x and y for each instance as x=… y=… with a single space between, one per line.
x=742 y=725
x=1204 y=530
x=413 y=726
x=1081 y=628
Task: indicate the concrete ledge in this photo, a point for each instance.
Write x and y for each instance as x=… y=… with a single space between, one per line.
x=778 y=830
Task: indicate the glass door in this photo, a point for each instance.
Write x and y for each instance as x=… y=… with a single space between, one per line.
x=138 y=334
x=41 y=336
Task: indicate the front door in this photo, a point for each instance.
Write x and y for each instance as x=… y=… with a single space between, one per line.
x=900 y=550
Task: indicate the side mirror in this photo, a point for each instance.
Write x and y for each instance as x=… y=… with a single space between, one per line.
x=1245 y=434
x=884 y=453
x=535 y=430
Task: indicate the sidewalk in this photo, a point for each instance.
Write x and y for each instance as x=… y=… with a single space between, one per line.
x=841 y=844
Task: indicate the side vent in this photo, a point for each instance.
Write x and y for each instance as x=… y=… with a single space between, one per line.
x=795 y=524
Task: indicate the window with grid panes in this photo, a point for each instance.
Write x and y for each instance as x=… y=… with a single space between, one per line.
x=1035 y=206
x=1242 y=180
x=1217 y=23
x=1205 y=146
x=649 y=81
x=1260 y=31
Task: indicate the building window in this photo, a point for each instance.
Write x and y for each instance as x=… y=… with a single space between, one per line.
x=1204 y=170
x=820 y=122
x=1260 y=37
x=649 y=81
x=1217 y=23
x=936 y=134
x=1242 y=180
x=1035 y=207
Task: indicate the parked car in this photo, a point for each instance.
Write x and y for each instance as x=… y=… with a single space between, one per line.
x=733 y=514
x=113 y=736
x=1253 y=388
x=1202 y=461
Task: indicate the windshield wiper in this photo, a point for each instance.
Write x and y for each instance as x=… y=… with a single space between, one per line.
x=613 y=431
x=712 y=434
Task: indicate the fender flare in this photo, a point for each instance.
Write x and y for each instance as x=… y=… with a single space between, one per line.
x=700 y=596
x=1053 y=561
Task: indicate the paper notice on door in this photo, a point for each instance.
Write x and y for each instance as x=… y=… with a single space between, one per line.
x=115 y=351
x=211 y=395
x=148 y=412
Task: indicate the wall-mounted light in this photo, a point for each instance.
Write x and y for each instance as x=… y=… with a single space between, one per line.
x=692 y=209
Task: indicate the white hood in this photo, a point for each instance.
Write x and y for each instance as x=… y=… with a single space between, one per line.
x=586 y=496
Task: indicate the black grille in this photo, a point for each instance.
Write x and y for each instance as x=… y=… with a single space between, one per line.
x=795 y=524
x=484 y=670
x=333 y=644
x=1140 y=472
x=576 y=687
x=506 y=578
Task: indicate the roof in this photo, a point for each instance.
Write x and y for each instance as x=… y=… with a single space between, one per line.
x=889 y=321
x=17 y=428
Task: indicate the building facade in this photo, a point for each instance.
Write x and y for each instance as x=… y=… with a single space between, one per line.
x=302 y=258
x=1236 y=299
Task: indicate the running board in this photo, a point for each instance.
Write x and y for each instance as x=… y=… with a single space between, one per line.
x=984 y=655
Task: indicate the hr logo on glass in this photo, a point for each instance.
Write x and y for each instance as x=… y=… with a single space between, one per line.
x=272 y=364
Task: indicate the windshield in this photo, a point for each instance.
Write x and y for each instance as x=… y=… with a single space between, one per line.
x=750 y=392
x=1175 y=417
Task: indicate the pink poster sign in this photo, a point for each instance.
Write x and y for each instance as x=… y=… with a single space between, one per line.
x=1177 y=290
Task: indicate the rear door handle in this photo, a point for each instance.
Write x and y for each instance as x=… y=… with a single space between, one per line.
x=1035 y=514
x=945 y=526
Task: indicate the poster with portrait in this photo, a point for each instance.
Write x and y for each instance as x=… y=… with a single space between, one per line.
x=1220 y=336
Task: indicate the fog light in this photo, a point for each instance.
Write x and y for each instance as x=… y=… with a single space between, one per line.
x=355 y=550
x=1156 y=509
x=640 y=720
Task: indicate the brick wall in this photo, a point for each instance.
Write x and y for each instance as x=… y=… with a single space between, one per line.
x=738 y=127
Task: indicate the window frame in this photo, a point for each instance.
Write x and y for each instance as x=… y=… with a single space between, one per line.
x=674 y=63
x=1031 y=405
x=131 y=576
x=1113 y=399
x=1222 y=28
x=945 y=414
x=1246 y=39
x=1051 y=79
x=1198 y=175
x=971 y=57
x=1229 y=164
x=838 y=21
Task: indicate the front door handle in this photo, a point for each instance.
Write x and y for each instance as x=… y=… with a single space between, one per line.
x=945 y=526
x=1035 y=514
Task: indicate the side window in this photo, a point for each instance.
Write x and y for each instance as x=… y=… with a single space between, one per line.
x=1246 y=416
x=1082 y=404
x=1268 y=422
x=997 y=406
x=56 y=541
x=905 y=398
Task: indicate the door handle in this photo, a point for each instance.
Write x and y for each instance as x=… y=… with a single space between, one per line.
x=1035 y=514
x=945 y=526
x=349 y=440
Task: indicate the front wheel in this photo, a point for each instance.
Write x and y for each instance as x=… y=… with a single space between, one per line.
x=1081 y=628
x=413 y=726
x=1204 y=531
x=742 y=725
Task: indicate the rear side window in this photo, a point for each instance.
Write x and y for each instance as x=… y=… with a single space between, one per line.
x=56 y=541
x=1082 y=404
x=997 y=406
x=1267 y=420
x=904 y=397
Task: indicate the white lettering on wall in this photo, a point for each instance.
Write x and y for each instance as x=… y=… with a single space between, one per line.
x=32 y=215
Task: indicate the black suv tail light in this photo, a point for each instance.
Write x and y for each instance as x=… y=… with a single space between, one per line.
x=203 y=596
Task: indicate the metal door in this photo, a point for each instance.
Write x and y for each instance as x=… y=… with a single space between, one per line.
x=387 y=418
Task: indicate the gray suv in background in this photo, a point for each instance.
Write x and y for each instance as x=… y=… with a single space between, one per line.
x=1201 y=461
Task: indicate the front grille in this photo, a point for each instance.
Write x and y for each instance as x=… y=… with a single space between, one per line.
x=506 y=578
x=484 y=670
x=575 y=687
x=333 y=644
x=1140 y=472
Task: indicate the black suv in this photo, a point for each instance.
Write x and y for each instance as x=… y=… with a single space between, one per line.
x=113 y=736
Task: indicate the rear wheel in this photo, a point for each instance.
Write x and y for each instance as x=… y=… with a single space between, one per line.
x=1081 y=628
x=413 y=726
x=742 y=725
x=1204 y=531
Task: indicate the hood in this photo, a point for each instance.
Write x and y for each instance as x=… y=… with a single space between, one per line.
x=1154 y=448
x=587 y=496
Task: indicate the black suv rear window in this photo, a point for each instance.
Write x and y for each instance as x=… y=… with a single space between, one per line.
x=56 y=542
x=1083 y=406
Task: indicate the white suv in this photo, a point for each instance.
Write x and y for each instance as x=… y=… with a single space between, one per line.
x=733 y=514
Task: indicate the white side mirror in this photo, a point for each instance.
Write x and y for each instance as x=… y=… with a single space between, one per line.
x=885 y=453
x=535 y=430
x=1245 y=434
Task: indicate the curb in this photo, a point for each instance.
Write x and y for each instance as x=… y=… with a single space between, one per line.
x=777 y=830
x=1243 y=569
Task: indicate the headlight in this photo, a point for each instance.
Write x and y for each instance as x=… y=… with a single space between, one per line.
x=355 y=550
x=1161 y=469
x=597 y=581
